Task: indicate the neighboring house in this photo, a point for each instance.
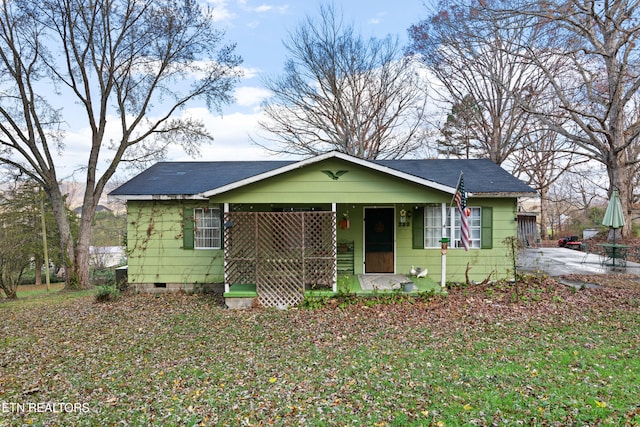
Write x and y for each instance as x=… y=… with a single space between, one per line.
x=106 y=256
x=288 y=226
x=99 y=208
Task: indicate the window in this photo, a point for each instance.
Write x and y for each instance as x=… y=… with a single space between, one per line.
x=432 y=226
x=434 y=231
x=474 y=228
x=206 y=228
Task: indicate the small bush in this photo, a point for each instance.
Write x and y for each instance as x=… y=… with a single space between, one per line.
x=107 y=293
x=102 y=276
x=314 y=302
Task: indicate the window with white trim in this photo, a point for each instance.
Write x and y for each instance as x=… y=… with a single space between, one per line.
x=206 y=228
x=434 y=231
x=432 y=226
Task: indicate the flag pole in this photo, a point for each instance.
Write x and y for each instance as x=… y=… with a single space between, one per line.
x=444 y=241
x=456 y=191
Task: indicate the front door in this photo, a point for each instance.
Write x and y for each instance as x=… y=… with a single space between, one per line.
x=379 y=240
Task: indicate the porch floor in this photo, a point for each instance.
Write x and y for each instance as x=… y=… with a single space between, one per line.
x=346 y=284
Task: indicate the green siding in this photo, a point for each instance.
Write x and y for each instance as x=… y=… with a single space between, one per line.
x=482 y=262
x=156 y=246
x=160 y=233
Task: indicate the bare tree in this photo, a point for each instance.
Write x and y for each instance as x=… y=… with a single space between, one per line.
x=472 y=59
x=544 y=158
x=597 y=85
x=633 y=152
x=575 y=194
x=342 y=92
x=136 y=63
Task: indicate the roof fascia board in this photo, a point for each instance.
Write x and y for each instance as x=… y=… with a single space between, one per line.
x=147 y=197
x=325 y=156
x=501 y=195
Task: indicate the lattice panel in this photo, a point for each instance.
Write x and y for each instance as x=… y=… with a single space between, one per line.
x=280 y=246
x=240 y=247
x=320 y=249
x=282 y=252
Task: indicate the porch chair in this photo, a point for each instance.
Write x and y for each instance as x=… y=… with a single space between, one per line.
x=587 y=248
x=615 y=256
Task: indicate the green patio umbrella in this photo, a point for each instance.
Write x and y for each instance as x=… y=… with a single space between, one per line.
x=613 y=216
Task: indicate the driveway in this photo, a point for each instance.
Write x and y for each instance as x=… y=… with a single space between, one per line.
x=562 y=261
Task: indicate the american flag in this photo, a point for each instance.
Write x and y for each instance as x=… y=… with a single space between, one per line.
x=461 y=201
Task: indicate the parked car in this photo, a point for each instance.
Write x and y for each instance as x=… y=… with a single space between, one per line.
x=571 y=242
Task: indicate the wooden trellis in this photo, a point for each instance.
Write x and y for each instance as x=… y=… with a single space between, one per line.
x=281 y=252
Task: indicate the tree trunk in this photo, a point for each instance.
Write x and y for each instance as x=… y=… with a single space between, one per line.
x=11 y=292
x=620 y=180
x=82 y=268
x=38 y=266
x=66 y=237
x=9 y=282
x=544 y=235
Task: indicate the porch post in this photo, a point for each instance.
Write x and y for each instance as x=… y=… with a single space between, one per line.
x=335 y=240
x=444 y=242
x=224 y=255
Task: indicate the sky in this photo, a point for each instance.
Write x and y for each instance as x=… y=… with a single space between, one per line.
x=258 y=28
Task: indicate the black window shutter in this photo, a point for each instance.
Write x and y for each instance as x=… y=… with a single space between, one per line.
x=418 y=228
x=486 y=228
x=222 y=226
x=187 y=228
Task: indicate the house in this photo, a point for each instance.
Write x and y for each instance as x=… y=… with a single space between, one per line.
x=278 y=229
x=106 y=256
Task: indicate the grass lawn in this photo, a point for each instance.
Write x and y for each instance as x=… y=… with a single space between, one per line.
x=31 y=295
x=536 y=354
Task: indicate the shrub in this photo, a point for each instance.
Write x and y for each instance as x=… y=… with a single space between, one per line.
x=107 y=293
x=102 y=276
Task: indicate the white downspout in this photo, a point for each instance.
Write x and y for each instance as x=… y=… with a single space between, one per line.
x=334 y=209
x=443 y=265
x=224 y=257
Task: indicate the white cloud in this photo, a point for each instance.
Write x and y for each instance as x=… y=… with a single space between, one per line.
x=221 y=11
x=231 y=135
x=231 y=138
x=263 y=8
x=378 y=19
x=248 y=96
x=249 y=73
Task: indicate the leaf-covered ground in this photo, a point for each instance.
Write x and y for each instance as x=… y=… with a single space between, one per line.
x=612 y=280
x=538 y=353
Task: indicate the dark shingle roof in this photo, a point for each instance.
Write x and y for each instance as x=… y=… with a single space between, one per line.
x=480 y=175
x=188 y=178
x=192 y=178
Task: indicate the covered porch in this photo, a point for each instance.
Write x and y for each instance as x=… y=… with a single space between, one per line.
x=281 y=254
